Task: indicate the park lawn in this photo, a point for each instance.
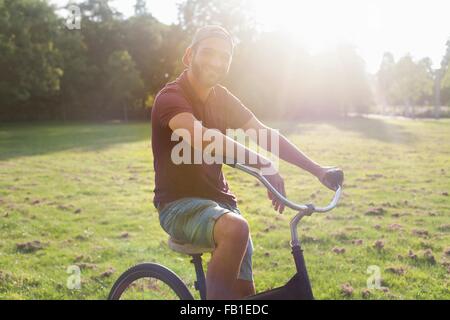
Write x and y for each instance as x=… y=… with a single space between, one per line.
x=83 y=193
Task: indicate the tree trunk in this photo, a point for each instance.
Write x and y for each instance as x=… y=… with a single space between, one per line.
x=125 y=112
x=64 y=112
x=437 y=95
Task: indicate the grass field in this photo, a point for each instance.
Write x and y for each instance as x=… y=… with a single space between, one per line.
x=81 y=194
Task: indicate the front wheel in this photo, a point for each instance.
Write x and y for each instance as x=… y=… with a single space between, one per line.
x=149 y=281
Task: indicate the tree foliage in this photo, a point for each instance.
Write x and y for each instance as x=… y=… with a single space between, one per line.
x=113 y=66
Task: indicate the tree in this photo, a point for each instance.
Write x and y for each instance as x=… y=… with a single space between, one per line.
x=385 y=79
x=445 y=85
x=234 y=15
x=140 y=8
x=151 y=45
x=99 y=10
x=76 y=82
x=425 y=65
x=125 y=83
x=29 y=60
x=412 y=81
x=103 y=33
x=445 y=63
x=445 y=76
x=353 y=90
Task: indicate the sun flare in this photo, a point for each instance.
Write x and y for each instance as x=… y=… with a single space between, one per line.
x=316 y=24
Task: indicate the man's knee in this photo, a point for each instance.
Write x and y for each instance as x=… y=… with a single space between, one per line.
x=231 y=227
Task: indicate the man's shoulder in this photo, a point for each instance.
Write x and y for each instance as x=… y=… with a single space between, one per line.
x=225 y=94
x=169 y=88
x=221 y=90
x=171 y=93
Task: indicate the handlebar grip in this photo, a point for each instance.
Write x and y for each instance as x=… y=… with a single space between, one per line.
x=334 y=177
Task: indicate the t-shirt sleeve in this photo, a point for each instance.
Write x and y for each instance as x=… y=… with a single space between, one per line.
x=169 y=104
x=237 y=113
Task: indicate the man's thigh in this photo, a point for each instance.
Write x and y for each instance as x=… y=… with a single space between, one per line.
x=192 y=220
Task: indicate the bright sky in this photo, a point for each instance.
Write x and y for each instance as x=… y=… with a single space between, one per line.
x=418 y=27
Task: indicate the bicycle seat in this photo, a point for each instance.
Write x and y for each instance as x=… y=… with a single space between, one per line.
x=186 y=248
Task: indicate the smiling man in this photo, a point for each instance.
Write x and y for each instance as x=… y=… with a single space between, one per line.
x=194 y=201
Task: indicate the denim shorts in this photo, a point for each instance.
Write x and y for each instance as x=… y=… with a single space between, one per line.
x=192 y=220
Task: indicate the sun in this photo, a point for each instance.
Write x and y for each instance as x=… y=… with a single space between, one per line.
x=317 y=24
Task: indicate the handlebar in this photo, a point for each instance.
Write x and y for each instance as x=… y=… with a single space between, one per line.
x=309 y=208
x=303 y=209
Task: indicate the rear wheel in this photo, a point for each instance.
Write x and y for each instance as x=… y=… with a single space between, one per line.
x=149 y=281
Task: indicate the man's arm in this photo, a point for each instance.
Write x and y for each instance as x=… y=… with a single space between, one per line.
x=186 y=121
x=287 y=151
x=329 y=176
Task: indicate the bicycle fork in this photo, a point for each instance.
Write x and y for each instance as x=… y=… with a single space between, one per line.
x=302 y=273
x=297 y=252
x=200 y=283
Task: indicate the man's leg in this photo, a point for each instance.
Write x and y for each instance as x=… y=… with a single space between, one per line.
x=244 y=285
x=231 y=233
x=244 y=288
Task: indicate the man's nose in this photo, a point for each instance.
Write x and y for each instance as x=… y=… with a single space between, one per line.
x=216 y=62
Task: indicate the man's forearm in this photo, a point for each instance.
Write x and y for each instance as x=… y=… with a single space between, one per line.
x=290 y=153
x=231 y=150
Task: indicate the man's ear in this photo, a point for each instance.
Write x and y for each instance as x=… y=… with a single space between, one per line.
x=187 y=57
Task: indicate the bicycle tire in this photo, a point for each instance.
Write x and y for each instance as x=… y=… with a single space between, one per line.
x=150 y=270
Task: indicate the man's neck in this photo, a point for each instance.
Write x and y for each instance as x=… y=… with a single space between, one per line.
x=201 y=91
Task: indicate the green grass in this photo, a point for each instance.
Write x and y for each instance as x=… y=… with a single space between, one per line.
x=77 y=188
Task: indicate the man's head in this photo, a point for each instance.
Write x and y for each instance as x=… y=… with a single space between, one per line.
x=209 y=55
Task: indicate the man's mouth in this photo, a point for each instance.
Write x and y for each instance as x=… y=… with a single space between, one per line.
x=213 y=72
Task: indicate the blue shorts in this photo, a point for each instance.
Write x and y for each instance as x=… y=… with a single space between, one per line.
x=192 y=220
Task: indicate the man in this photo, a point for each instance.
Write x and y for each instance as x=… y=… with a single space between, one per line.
x=194 y=202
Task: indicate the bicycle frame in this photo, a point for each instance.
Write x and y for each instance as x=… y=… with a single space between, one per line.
x=299 y=286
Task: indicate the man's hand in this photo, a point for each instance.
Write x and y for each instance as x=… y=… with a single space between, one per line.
x=331 y=177
x=278 y=183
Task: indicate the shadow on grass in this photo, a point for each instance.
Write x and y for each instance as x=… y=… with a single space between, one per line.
x=370 y=128
x=20 y=140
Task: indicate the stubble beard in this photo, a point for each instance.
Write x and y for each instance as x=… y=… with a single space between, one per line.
x=207 y=76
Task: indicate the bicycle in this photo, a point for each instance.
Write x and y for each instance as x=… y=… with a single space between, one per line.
x=298 y=287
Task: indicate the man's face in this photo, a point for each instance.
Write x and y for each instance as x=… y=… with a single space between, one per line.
x=211 y=61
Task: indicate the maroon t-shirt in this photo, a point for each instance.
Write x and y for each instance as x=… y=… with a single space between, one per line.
x=222 y=110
